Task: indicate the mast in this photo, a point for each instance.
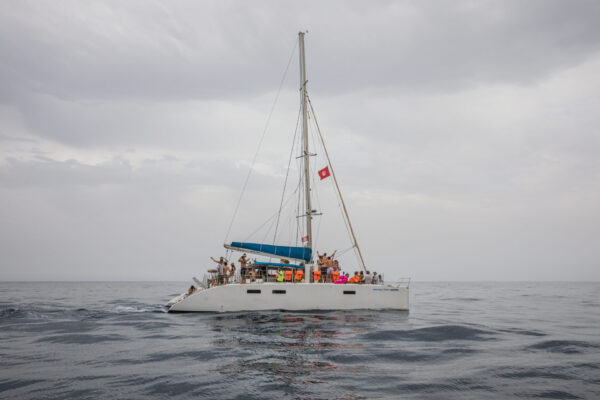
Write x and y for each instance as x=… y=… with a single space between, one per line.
x=305 y=146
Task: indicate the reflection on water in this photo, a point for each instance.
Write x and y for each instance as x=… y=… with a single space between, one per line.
x=295 y=350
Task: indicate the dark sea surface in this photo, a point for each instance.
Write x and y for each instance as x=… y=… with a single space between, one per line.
x=460 y=341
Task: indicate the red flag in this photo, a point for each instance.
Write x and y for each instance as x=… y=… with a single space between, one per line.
x=304 y=239
x=324 y=173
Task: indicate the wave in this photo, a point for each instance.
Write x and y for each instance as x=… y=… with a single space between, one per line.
x=432 y=334
x=533 y=372
x=81 y=339
x=555 y=394
x=564 y=346
x=17 y=384
x=525 y=332
x=124 y=309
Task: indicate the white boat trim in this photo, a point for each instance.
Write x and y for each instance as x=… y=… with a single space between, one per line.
x=294 y=297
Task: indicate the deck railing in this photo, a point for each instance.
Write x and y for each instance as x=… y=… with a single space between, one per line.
x=211 y=279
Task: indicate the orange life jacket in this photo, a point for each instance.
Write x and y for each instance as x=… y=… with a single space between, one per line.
x=299 y=275
x=288 y=275
x=336 y=275
x=317 y=275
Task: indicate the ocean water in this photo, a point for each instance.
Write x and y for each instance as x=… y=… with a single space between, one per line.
x=459 y=341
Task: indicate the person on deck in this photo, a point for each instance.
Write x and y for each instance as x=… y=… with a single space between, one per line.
x=221 y=263
x=243 y=261
x=225 y=274
x=321 y=261
x=329 y=277
x=342 y=279
x=220 y=273
x=243 y=267
x=368 y=278
x=231 y=275
x=191 y=290
x=280 y=275
x=375 y=279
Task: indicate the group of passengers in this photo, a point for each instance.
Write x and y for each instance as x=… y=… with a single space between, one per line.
x=328 y=271
x=225 y=270
x=361 y=278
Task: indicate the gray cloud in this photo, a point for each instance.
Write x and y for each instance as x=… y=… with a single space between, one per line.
x=465 y=135
x=224 y=49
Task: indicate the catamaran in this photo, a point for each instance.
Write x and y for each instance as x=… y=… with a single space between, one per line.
x=297 y=282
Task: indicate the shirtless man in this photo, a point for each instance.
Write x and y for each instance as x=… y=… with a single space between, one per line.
x=243 y=267
x=321 y=259
x=224 y=274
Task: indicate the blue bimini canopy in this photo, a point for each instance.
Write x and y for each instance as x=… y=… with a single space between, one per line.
x=297 y=253
x=270 y=264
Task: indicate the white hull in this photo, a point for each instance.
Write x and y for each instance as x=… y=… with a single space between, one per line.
x=293 y=297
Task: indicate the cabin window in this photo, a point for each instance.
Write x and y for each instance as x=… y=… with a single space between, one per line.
x=349 y=291
x=253 y=291
x=278 y=291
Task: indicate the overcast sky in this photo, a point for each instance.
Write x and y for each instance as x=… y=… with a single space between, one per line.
x=465 y=134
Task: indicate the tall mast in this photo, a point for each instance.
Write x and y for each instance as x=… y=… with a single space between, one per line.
x=305 y=143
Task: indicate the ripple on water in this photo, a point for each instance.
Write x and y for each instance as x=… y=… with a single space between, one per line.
x=81 y=339
x=563 y=346
x=432 y=334
x=12 y=384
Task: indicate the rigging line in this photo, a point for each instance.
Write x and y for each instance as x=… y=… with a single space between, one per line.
x=260 y=143
x=270 y=218
x=338 y=198
x=346 y=250
x=336 y=183
x=301 y=197
x=317 y=198
x=259 y=228
x=263 y=240
x=286 y=176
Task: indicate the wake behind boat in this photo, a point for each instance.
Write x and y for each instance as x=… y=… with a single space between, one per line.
x=297 y=282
